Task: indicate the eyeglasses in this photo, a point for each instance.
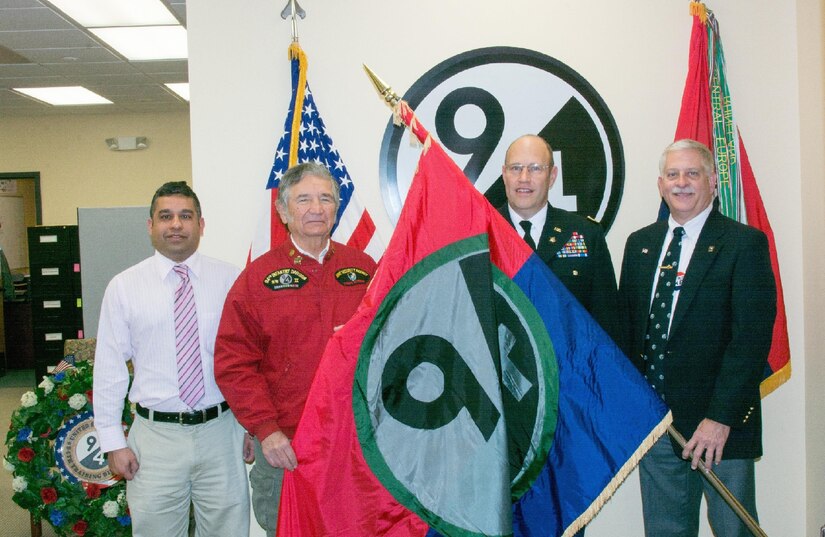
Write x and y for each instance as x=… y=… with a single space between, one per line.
x=532 y=169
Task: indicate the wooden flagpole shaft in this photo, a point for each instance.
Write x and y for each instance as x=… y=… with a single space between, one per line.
x=723 y=491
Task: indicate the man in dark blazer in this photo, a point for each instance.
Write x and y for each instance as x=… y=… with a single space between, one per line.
x=709 y=363
x=571 y=245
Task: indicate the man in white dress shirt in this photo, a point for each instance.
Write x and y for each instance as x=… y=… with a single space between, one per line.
x=185 y=446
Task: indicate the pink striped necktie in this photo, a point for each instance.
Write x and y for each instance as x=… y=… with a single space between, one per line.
x=187 y=341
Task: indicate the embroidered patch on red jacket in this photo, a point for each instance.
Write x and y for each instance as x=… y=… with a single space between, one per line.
x=352 y=276
x=285 y=278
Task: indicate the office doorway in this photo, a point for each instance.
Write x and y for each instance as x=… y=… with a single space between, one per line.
x=20 y=208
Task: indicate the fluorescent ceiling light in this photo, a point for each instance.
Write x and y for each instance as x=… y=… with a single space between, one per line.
x=180 y=88
x=64 y=96
x=146 y=42
x=105 y=13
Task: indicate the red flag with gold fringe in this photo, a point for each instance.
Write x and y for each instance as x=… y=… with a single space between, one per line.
x=707 y=116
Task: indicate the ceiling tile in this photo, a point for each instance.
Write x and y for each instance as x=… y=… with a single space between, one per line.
x=62 y=54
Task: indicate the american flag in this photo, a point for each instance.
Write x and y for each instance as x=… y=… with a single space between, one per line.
x=67 y=362
x=305 y=139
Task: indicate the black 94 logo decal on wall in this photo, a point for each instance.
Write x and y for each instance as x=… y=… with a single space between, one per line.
x=478 y=102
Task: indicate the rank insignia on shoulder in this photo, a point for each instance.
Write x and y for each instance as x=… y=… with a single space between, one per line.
x=574 y=247
x=286 y=278
x=352 y=276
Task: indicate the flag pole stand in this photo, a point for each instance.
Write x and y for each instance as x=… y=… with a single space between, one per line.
x=723 y=491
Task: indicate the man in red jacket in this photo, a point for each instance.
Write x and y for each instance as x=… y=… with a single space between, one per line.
x=276 y=322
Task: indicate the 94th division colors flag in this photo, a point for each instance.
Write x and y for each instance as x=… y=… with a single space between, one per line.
x=470 y=394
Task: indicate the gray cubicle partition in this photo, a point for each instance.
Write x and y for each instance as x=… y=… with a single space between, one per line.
x=112 y=239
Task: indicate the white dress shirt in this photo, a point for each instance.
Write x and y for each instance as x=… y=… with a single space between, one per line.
x=693 y=228
x=137 y=323
x=537 y=221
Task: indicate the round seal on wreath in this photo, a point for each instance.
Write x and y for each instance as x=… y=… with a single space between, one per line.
x=53 y=428
x=77 y=452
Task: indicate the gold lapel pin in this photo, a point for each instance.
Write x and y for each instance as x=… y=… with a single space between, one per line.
x=644 y=250
x=552 y=239
x=710 y=249
x=557 y=229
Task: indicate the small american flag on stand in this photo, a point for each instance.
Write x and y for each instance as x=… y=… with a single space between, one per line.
x=67 y=362
x=305 y=139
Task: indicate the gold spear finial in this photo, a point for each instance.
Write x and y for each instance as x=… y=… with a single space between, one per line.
x=386 y=92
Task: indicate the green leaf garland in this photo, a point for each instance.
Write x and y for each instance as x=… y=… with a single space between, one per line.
x=73 y=509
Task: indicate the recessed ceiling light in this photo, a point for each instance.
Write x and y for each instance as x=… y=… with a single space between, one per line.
x=180 y=88
x=103 y=13
x=146 y=42
x=64 y=96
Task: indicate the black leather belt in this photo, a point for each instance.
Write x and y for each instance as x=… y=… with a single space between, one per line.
x=184 y=418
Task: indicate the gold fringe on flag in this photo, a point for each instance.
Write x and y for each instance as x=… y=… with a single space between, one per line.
x=626 y=469
x=295 y=52
x=400 y=109
x=698 y=9
x=775 y=380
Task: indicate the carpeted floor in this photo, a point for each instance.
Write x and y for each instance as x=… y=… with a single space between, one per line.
x=14 y=519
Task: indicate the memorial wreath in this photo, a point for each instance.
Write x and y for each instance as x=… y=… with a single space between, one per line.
x=60 y=474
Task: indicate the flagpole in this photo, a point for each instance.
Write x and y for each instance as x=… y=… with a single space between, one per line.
x=720 y=487
x=295 y=10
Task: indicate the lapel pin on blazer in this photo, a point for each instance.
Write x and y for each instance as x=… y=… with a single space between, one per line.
x=557 y=229
x=644 y=250
x=552 y=239
x=711 y=249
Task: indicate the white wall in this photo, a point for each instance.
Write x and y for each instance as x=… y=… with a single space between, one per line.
x=811 y=20
x=633 y=52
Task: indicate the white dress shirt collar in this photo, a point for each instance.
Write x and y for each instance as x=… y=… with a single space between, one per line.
x=321 y=256
x=164 y=265
x=693 y=226
x=537 y=220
